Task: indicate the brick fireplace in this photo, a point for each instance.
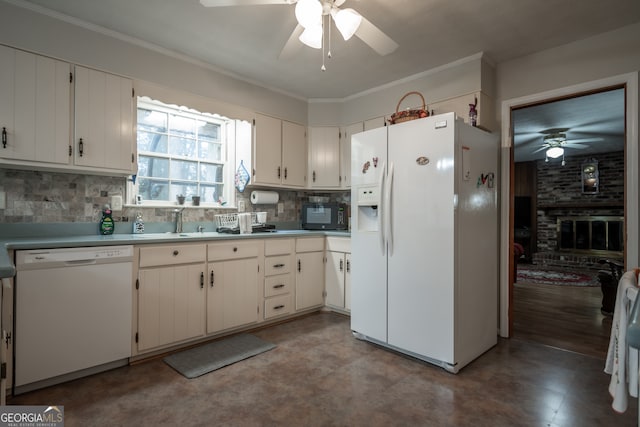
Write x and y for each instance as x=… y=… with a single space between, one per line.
x=570 y=228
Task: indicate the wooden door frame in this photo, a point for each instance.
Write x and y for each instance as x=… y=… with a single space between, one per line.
x=632 y=183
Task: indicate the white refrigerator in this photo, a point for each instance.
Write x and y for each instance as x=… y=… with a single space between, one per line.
x=424 y=239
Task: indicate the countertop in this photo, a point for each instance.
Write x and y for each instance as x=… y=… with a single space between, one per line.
x=7 y=268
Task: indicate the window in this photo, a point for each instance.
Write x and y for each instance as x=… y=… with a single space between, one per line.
x=182 y=152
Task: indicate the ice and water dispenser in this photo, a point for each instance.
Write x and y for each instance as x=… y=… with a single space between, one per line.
x=368 y=202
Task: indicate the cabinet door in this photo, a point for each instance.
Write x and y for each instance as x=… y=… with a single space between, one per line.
x=294 y=154
x=324 y=154
x=170 y=305
x=103 y=120
x=232 y=295
x=345 y=152
x=267 y=150
x=309 y=280
x=35 y=107
x=375 y=123
x=334 y=279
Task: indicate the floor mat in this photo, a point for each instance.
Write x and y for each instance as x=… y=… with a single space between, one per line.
x=549 y=276
x=206 y=358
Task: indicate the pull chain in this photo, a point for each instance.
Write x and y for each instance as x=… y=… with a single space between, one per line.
x=329 y=34
x=323 y=68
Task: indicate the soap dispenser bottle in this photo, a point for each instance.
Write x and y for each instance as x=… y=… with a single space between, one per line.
x=106 y=223
x=138 y=224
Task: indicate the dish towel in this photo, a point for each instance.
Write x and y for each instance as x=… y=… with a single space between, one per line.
x=622 y=361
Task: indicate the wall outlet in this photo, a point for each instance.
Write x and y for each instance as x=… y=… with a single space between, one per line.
x=116 y=203
x=280 y=207
x=241 y=206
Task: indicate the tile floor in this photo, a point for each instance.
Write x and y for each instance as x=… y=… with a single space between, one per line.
x=319 y=375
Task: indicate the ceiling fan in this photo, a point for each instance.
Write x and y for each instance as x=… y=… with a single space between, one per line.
x=555 y=141
x=310 y=29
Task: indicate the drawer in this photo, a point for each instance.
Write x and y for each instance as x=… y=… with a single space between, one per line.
x=233 y=250
x=278 y=246
x=277 y=306
x=310 y=244
x=277 y=285
x=339 y=244
x=277 y=265
x=171 y=255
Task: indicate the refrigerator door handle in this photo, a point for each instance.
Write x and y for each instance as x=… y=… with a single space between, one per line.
x=381 y=235
x=387 y=210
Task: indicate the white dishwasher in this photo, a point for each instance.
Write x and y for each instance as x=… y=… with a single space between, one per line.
x=72 y=313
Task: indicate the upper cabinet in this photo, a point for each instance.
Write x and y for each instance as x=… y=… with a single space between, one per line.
x=460 y=105
x=345 y=152
x=324 y=157
x=280 y=153
x=37 y=116
x=103 y=136
x=375 y=123
x=35 y=107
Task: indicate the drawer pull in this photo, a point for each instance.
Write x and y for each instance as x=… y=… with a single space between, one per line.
x=176 y=252
x=201 y=280
x=278 y=307
x=211 y=278
x=278 y=265
x=4 y=137
x=278 y=286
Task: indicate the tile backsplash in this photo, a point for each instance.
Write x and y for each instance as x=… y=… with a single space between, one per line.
x=51 y=197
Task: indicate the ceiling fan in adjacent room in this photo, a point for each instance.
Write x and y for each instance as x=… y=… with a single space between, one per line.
x=310 y=30
x=555 y=141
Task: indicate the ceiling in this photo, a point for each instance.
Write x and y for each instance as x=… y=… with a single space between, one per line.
x=596 y=122
x=246 y=41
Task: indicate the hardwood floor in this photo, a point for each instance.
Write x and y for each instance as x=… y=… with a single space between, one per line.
x=566 y=317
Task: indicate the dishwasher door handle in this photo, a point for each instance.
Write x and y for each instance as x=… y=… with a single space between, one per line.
x=80 y=262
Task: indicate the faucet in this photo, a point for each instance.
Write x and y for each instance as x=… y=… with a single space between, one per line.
x=178 y=220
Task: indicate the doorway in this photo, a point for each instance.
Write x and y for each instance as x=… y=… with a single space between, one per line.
x=508 y=271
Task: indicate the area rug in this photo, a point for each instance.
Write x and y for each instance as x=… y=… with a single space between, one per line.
x=200 y=360
x=539 y=275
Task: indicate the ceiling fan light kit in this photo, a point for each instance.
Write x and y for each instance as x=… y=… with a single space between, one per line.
x=310 y=29
x=555 y=152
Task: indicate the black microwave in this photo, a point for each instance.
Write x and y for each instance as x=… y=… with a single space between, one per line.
x=324 y=216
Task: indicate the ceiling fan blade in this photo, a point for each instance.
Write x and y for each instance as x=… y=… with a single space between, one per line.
x=544 y=147
x=292 y=45
x=572 y=140
x=375 y=38
x=575 y=145
x=222 y=3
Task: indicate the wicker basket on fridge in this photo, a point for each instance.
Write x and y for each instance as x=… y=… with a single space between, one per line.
x=409 y=114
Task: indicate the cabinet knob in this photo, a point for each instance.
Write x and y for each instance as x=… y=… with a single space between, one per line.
x=235 y=249
x=176 y=252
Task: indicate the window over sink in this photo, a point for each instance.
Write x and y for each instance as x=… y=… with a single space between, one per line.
x=182 y=154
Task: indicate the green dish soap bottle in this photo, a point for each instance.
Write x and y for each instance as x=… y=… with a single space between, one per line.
x=106 y=223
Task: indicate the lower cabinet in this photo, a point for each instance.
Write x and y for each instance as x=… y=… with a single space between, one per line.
x=233 y=284
x=309 y=272
x=171 y=295
x=338 y=273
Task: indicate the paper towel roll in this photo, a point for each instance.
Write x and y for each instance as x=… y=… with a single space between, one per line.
x=264 y=197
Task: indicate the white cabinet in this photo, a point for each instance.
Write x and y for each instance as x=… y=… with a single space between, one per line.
x=324 y=157
x=338 y=273
x=279 y=153
x=171 y=295
x=309 y=272
x=35 y=107
x=460 y=105
x=375 y=123
x=345 y=152
x=278 y=277
x=234 y=283
x=103 y=136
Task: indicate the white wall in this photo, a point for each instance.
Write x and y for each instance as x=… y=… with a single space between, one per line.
x=28 y=30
